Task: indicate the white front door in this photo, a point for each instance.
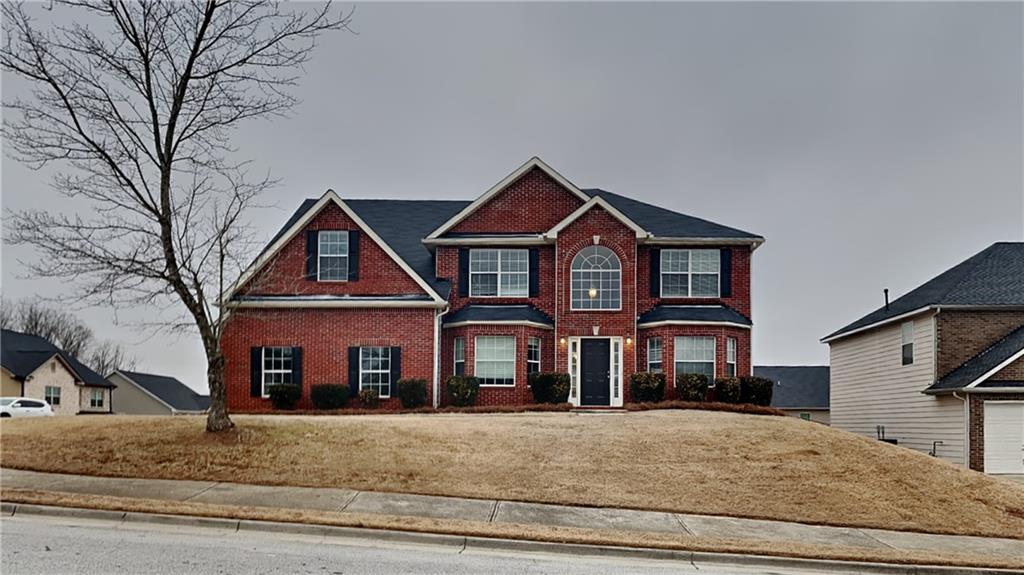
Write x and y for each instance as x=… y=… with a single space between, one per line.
x=1004 y=437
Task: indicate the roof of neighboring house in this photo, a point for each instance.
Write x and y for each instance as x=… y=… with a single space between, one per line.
x=797 y=386
x=23 y=353
x=498 y=313
x=992 y=277
x=668 y=224
x=169 y=390
x=694 y=313
x=985 y=363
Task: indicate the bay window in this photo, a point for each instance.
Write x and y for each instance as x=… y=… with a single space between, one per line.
x=695 y=355
x=495 y=360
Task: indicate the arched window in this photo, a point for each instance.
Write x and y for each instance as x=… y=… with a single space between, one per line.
x=596 y=279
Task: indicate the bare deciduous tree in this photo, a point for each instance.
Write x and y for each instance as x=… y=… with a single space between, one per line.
x=139 y=116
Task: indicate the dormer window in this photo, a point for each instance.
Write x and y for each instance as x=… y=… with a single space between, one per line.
x=499 y=273
x=690 y=273
x=332 y=256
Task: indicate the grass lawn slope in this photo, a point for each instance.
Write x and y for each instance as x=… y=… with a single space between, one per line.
x=682 y=461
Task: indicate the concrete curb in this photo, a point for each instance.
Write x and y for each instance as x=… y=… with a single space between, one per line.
x=494 y=544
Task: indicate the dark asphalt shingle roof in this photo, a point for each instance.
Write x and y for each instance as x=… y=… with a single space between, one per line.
x=170 y=391
x=23 y=353
x=797 y=386
x=992 y=277
x=498 y=313
x=710 y=313
x=666 y=223
x=982 y=363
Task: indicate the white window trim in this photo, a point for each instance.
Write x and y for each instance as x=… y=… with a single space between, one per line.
x=347 y=256
x=676 y=346
x=47 y=396
x=540 y=354
x=455 y=355
x=572 y=272
x=689 y=276
x=732 y=345
x=499 y=273
x=574 y=365
x=264 y=371
x=93 y=398
x=387 y=371
x=476 y=360
x=661 y=343
x=904 y=343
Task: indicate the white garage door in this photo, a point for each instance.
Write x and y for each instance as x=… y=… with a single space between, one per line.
x=1004 y=437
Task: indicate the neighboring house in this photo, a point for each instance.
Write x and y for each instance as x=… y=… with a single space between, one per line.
x=800 y=390
x=150 y=394
x=944 y=363
x=34 y=367
x=534 y=275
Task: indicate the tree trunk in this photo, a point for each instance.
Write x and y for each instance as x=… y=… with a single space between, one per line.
x=217 y=419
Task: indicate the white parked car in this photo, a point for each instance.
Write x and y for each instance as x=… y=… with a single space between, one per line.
x=24 y=407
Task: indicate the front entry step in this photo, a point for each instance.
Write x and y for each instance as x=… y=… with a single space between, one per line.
x=597 y=409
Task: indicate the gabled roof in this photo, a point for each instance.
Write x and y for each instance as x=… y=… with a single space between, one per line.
x=978 y=369
x=664 y=223
x=22 y=353
x=532 y=163
x=692 y=314
x=507 y=314
x=169 y=391
x=992 y=277
x=597 y=202
x=797 y=386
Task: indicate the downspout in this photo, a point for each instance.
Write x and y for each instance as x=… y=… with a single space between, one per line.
x=438 y=313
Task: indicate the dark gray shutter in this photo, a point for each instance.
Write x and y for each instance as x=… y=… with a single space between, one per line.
x=311 y=253
x=396 y=369
x=353 y=255
x=297 y=366
x=256 y=371
x=725 y=272
x=464 y=272
x=534 y=272
x=655 y=272
x=353 y=371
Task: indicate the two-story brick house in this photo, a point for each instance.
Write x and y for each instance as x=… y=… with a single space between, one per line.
x=942 y=367
x=534 y=275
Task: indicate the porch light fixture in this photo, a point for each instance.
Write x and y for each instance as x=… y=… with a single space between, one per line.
x=629 y=340
x=561 y=341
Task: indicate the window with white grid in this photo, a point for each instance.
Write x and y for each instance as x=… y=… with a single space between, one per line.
x=277 y=367
x=96 y=398
x=690 y=273
x=533 y=355
x=730 y=356
x=654 y=355
x=499 y=273
x=460 y=356
x=596 y=279
x=695 y=355
x=52 y=395
x=495 y=360
x=375 y=370
x=332 y=256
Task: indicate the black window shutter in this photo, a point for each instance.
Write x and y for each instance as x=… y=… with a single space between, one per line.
x=297 y=366
x=655 y=272
x=464 y=272
x=311 y=253
x=353 y=255
x=534 y=272
x=353 y=371
x=256 y=371
x=725 y=267
x=396 y=369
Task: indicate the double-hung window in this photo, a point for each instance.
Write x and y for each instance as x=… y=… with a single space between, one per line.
x=730 y=356
x=907 y=342
x=499 y=273
x=277 y=367
x=654 y=355
x=332 y=256
x=532 y=355
x=695 y=355
x=460 y=356
x=690 y=273
x=52 y=394
x=96 y=398
x=495 y=360
x=375 y=370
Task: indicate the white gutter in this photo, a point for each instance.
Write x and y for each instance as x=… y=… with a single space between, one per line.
x=691 y=322
x=336 y=304
x=878 y=323
x=499 y=322
x=754 y=243
x=967 y=430
x=538 y=240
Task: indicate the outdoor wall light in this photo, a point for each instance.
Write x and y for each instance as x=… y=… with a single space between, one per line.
x=629 y=340
x=562 y=341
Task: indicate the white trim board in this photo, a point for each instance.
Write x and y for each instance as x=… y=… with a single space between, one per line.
x=996 y=369
x=530 y=164
x=328 y=197
x=690 y=322
x=498 y=322
x=597 y=201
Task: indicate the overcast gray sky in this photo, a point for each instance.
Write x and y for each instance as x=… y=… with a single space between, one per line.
x=873 y=145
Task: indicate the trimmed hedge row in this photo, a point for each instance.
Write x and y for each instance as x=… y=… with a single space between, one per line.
x=550 y=387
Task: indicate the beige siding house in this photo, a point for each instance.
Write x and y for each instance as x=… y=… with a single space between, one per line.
x=150 y=394
x=927 y=368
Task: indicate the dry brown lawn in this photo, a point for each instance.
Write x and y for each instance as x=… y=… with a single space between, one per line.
x=681 y=461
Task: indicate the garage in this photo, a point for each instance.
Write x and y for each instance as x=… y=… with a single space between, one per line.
x=1004 y=437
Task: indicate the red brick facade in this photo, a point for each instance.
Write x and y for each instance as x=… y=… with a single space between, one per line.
x=535 y=203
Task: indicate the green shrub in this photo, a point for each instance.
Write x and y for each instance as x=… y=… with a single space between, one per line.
x=412 y=392
x=727 y=390
x=284 y=395
x=462 y=390
x=369 y=398
x=756 y=390
x=647 y=387
x=329 y=396
x=551 y=387
x=692 y=386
